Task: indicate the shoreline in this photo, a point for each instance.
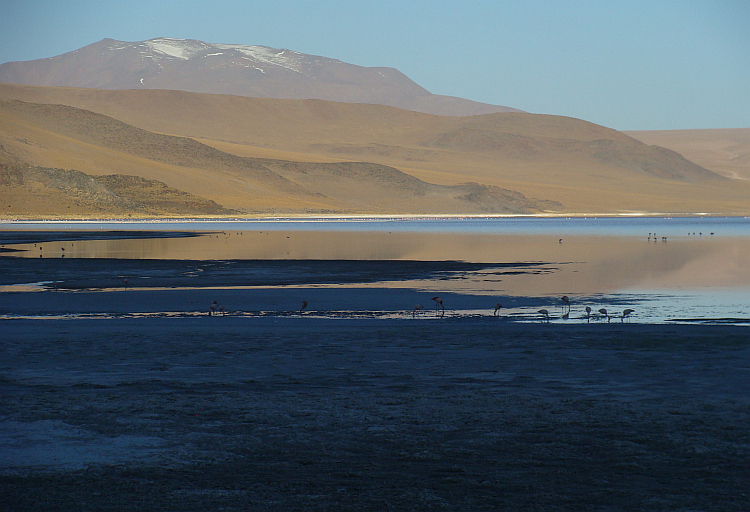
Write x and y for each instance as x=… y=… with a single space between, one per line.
x=363 y=217
x=377 y=304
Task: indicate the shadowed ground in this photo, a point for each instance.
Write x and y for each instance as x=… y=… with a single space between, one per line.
x=272 y=413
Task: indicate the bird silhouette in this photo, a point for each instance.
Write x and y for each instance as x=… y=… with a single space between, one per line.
x=604 y=312
x=212 y=308
x=497 y=309
x=417 y=308
x=588 y=314
x=439 y=304
x=545 y=315
x=626 y=314
x=304 y=305
x=565 y=307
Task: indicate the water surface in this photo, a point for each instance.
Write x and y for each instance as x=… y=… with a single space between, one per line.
x=667 y=269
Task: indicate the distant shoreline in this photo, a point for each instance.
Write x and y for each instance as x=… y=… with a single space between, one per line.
x=363 y=217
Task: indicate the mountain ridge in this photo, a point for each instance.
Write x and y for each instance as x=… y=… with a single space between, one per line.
x=254 y=71
x=555 y=164
x=344 y=187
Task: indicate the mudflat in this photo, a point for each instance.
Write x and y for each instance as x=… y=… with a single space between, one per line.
x=312 y=411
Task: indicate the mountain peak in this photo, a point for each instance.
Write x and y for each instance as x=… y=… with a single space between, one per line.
x=257 y=71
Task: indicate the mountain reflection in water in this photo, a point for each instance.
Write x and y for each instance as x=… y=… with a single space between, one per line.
x=575 y=265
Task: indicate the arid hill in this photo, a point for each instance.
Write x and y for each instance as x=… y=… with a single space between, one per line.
x=723 y=151
x=55 y=132
x=40 y=192
x=262 y=156
x=255 y=71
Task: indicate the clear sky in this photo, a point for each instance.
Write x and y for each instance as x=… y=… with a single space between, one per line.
x=625 y=64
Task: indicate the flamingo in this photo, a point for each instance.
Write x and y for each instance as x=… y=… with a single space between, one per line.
x=566 y=304
x=438 y=304
x=497 y=309
x=417 y=308
x=212 y=308
x=304 y=305
x=604 y=312
x=545 y=314
x=626 y=314
x=588 y=314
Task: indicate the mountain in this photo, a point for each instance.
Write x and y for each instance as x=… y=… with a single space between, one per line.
x=254 y=71
x=724 y=151
x=44 y=192
x=36 y=137
x=272 y=156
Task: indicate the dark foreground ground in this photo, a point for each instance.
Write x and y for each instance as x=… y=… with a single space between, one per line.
x=301 y=413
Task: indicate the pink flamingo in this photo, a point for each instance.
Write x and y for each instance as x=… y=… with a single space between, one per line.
x=566 y=307
x=604 y=312
x=439 y=304
x=626 y=314
x=545 y=314
x=304 y=305
x=497 y=309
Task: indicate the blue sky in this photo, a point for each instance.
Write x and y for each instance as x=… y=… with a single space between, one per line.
x=627 y=64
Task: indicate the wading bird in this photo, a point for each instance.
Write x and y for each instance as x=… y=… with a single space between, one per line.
x=212 y=308
x=604 y=312
x=438 y=304
x=565 y=307
x=304 y=305
x=588 y=314
x=545 y=315
x=417 y=308
x=497 y=309
x=626 y=314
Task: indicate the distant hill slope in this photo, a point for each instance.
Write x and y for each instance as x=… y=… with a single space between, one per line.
x=38 y=133
x=262 y=155
x=255 y=71
x=30 y=191
x=724 y=151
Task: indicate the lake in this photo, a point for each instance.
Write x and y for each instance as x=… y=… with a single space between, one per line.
x=694 y=269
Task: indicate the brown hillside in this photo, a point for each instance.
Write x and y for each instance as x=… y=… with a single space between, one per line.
x=584 y=167
x=53 y=132
x=724 y=151
x=28 y=191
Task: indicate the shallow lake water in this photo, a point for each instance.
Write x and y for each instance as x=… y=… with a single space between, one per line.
x=666 y=269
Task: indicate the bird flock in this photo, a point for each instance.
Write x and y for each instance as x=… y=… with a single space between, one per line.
x=216 y=309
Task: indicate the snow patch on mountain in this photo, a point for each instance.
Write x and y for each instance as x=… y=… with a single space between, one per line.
x=176 y=48
x=187 y=49
x=283 y=58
